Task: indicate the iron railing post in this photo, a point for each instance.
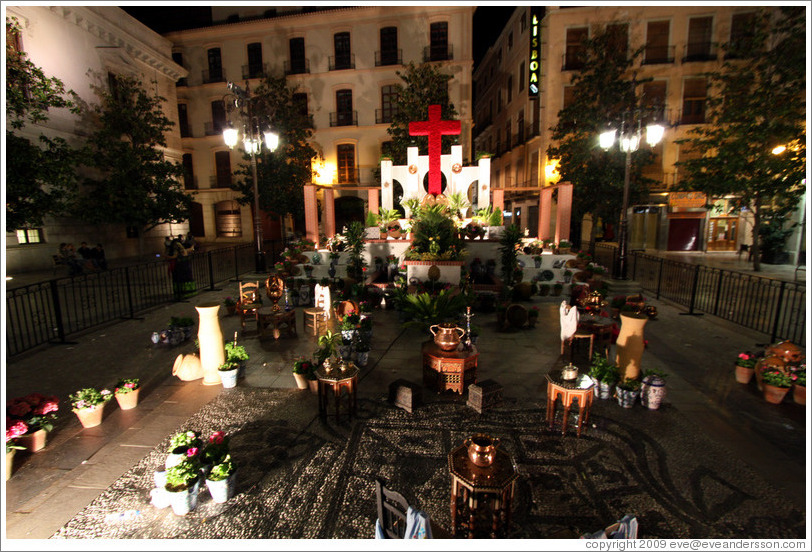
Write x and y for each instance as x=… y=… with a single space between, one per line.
x=693 y=293
x=236 y=265
x=778 y=311
x=60 y=326
x=129 y=291
x=718 y=293
x=211 y=271
x=660 y=277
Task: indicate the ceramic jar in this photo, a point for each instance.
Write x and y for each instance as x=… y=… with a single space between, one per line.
x=652 y=392
x=630 y=344
x=481 y=449
x=210 y=336
x=446 y=336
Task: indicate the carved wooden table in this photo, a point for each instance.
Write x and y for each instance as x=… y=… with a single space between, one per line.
x=334 y=382
x=274 y=322
x=579 y=388
x=481 y=498
x=444 y=370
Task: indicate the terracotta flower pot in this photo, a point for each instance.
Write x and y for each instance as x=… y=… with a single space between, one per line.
x=799 y=394
x=90 y=417
x=744 y=374
x=773 y=394
x=127 y=401
x=301 y=381
x=10 y=463
x=33 y=441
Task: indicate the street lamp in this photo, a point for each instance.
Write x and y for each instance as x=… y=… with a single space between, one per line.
x=631 y=129
x=252 y=144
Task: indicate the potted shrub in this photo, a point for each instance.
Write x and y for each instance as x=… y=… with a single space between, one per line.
x=228 y=373
x=557 y=288
x=745 y=367
x=627 y=392
x=544 y=289
x=231 y=305
x=182 y=483
x=775 y=385
x=237 y=354
x=221 y=479
x=537 y=260
x=652 y=388
x=302 y=367
x=37 y=412
x=126 y=393
x=564 y=247
x=328 y=346
x=88 y=405
x=605 y=375
x=567 y=276
x=373 y=229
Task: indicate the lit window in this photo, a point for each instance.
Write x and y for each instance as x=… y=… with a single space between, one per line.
x=29 y=235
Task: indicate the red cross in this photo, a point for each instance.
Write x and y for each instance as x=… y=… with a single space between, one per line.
x=434 y=128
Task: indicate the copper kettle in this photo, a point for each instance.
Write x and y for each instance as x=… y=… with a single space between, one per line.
x=446 y=336
x=482 y=449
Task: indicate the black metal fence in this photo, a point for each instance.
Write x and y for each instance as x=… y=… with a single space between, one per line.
x=53 y=310
x=774 y=307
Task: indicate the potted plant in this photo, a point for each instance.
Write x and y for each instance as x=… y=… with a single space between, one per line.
x=373 y=228
x=627 y=392
x=362 y=348
x=37 y=411
x=182 y=483
x=605 y=375
x=652 y=388
x=88 y=405
x=349 y=327
x=231 y=305
x=179 y=445
x=775 y=385
x=228 y=373
x=557 y=288
x=14 y=430
x=564 y=247
x=215 y=449
x=544 y=289
x=236 y=353
x=184 y=324
x=301 y=368
x=537 y=260
x=221 y=479
x=745 y=367
x=798 y=376
x=567 y=276
x=328 y=346
x=126 y=393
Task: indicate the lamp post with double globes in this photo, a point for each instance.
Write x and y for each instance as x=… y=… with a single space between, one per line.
x=631 y=129
x=253 y=136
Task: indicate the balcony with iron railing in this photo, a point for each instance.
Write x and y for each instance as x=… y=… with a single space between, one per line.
x=573 y=60
x=531 y=130
x=338 y=63
x=343 y=118
x=348 y=175
x=297 y=67
x=385 y=116
x=220 y=181
x=213 y=76
x=699 y=51
x=653 y=55
x=213 y=128
x=257 y=71
x=438 y=52
x=388 y=57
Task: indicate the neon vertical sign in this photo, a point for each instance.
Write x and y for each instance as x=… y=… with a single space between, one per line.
x=535 y=53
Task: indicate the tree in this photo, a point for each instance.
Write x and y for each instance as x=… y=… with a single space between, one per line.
x=757 y=102
x=282 y=175
x=40 y=178
x=603 y=91
x=423 y=85
x=137 y=186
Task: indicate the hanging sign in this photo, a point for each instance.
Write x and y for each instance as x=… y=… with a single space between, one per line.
x=535 y=53
x=687 y=199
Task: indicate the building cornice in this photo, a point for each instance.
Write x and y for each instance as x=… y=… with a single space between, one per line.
x=114 y=35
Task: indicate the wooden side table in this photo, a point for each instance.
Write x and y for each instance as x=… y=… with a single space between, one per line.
x=579 y=388
x=274 y=322
x=444 y=370
x=334 y=382
x=481 y=498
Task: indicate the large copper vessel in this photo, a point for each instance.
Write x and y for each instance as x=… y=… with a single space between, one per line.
x=481 y=449
x=447 y=336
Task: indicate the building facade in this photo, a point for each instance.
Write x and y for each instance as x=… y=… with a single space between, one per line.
x=83 y=46
x=679 y=43
x=343 y=63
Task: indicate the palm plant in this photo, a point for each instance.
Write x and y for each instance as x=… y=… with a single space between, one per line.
x=457 y=204
x=425 y=309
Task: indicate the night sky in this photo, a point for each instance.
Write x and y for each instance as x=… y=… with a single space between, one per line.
x=488 y=21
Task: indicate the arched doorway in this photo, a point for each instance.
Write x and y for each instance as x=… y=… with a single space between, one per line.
x=348 y=209
x=473 y=196
x=397 y=191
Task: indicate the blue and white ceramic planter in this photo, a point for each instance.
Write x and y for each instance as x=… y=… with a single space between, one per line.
x=222 y=490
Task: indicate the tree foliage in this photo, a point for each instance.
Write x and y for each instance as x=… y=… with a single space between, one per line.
x=423 y=85
x=281 y=175
x=40 y=178
x=136 y=186
x=605 y=89
x=757 y=102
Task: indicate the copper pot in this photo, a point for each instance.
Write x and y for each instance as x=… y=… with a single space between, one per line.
x=447 y=336
x=481 y=449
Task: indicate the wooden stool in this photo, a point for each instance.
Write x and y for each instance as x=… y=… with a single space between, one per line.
x=579 y=334
x=312 y=318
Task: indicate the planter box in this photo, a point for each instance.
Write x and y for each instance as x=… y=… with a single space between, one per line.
x=484 y=395
x=405 y=394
